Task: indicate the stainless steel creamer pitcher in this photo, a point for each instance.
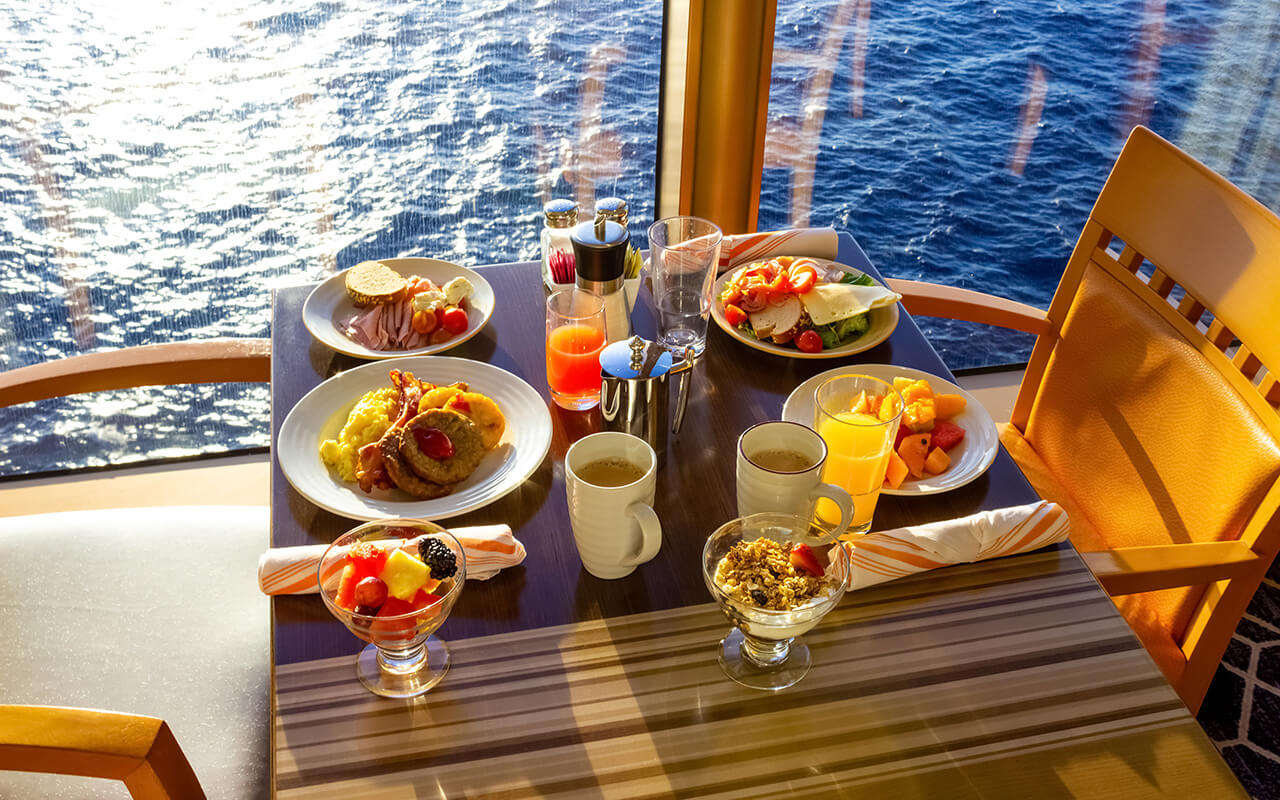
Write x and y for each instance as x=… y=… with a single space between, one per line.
x=633 y=390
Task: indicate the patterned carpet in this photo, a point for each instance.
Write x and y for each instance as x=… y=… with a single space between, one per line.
x=1241 y=712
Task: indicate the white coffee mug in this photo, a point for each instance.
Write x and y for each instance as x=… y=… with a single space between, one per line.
x=614 y=527
x=786 y=488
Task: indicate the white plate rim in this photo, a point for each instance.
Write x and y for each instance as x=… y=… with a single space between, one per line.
x=976 y=414
x=884 y=321
x=356 y=381
x=328 y=301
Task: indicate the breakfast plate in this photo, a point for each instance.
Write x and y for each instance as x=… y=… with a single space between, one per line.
x=882 y=321
x=969 y=459
x=321 y=414
x=329 y=304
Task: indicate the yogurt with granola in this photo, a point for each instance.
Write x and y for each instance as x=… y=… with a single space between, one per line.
x=777 y=590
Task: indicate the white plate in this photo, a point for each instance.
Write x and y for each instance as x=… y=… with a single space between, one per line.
x=323 y=411
x=329 y=302
x=883 y=321
x=969 y=459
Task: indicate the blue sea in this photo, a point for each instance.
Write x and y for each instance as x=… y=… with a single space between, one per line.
x=164 y=166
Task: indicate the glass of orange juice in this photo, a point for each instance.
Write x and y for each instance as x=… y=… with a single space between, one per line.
x=575 y=337
x=857 y=416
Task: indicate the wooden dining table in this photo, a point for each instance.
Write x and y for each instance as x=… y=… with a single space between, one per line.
x=1014 y=677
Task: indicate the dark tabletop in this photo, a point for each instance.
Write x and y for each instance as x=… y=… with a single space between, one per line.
x=733 y=387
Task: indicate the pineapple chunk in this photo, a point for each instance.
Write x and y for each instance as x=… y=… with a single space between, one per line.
x=888 y=408
x=404 y=575
x=919 y=415
x=918 y=390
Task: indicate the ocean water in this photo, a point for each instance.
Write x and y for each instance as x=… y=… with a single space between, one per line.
x=165 y=166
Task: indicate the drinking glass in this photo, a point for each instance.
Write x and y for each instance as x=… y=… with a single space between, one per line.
x=859 y=442
x=683 y=254
x=403 y=658
x=575 y=337
x=764 y=650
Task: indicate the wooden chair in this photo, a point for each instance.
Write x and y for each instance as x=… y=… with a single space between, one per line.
x=141 y=751
x=1148 y=409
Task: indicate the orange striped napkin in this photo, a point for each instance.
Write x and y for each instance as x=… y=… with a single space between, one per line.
x=292 y=570
x=885 y=555
x=747 y=247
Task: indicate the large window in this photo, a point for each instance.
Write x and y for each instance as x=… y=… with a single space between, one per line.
x=964 y=142
x=166 y=164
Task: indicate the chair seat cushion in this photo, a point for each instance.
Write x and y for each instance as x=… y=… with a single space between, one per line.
x=148 y=611
x=1151 y=615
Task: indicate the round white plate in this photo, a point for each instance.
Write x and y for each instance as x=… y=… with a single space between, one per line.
x=329 y=302
x=969 y=459
x=323 y=411
x=883 y=321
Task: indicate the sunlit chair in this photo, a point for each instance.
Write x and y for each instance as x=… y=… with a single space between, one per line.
x=140 y=751
x=148 y=610
x=1148 y=408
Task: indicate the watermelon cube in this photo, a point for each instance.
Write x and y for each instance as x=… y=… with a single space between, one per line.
x=947 y=435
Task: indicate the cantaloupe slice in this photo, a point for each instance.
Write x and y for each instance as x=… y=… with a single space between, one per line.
x=948 y=405
x=914 y=450
x=897 y=471
x=916 y=391
x=937 y=462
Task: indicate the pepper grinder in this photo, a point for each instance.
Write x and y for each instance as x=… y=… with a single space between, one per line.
x=600 y=256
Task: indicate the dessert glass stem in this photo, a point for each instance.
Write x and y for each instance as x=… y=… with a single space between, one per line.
x=402 y=662
x=765 y=652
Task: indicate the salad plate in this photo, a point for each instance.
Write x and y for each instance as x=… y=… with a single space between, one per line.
x=321 y=413
x=881 y=321
x=969 y=459
x=329 y=305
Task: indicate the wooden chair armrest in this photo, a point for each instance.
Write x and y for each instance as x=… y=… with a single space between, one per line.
x=141 y=751
x=1129 y=570
x=934 y=300
x=199 y=361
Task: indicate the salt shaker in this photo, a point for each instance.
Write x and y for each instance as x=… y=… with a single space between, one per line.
x=600 y=254
x=559 y=217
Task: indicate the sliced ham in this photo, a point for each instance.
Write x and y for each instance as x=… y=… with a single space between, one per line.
x=777 y=320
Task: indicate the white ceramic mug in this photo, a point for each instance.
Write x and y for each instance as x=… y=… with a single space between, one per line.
x=614 y=527
x=786 y=491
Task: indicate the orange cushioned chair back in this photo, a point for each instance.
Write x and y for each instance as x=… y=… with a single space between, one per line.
x=1131 y=400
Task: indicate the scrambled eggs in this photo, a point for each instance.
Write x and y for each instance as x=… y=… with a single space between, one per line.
x=366 y=423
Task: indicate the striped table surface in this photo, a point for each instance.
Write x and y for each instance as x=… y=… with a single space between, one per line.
x=1010 y=678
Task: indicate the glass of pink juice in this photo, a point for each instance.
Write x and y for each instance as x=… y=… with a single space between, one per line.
x=575 y=337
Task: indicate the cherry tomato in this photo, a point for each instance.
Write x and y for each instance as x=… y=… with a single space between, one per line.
x=455 y=320
x=802 y=279
x=440 y=336
x=734 y=315
x=809 y=342
x=424 y=322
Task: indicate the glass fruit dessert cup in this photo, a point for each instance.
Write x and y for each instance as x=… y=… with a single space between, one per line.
x=775 y=576
x=392 y=582
x=857 y=416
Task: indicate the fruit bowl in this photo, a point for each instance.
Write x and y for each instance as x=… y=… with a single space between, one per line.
x=393 y=583
x=764 y=650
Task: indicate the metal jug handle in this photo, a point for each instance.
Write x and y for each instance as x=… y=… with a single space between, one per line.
x=682 y=396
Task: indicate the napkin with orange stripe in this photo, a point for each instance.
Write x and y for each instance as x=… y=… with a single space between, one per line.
x=885 y=555
x=292 y=570
x=747 y=247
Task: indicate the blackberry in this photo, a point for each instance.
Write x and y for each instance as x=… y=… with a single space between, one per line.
x=760 y=597
x=437 y=555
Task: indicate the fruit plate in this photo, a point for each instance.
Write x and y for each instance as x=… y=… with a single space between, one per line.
x=969 y=459
x=323 y=411
x=883 y=321
x=329 y=303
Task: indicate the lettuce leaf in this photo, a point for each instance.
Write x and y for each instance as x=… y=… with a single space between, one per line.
x=861 y=279
x=843 y=331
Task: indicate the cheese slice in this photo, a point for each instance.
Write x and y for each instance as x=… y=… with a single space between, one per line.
x=828 y=302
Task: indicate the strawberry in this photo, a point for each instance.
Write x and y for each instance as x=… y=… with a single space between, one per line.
x=803 y=558
x=946 y=435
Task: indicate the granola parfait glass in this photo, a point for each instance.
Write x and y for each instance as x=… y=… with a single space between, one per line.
x=764 y=650
x=403 y=657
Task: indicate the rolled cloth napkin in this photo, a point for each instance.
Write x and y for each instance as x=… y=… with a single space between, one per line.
x=292 y=570
x=744 y=248
x=885 y=555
